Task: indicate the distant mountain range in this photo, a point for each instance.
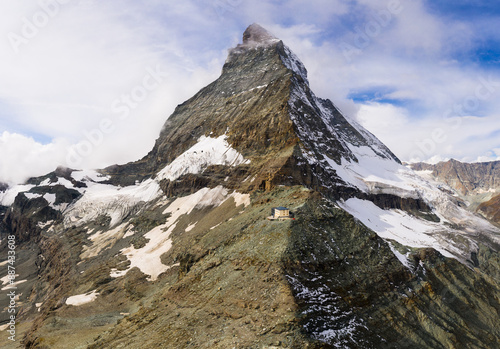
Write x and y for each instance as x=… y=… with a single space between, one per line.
x=476 y=183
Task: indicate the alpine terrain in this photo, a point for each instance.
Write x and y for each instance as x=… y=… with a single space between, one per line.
x=477 y=184
x=175 y=251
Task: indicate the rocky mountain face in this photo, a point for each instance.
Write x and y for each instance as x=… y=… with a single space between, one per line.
x=465 y=178
x=174 y=250
x=491 y=209
x=477 y=184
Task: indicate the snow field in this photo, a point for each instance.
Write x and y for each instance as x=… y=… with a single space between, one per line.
x=81 y=299
x=208 y=151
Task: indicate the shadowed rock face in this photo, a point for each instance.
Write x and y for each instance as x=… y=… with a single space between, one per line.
x=234 y=279
x=353 y=294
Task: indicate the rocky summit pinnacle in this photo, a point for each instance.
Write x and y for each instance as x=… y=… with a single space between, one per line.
x=255 y=34
x=175 y=251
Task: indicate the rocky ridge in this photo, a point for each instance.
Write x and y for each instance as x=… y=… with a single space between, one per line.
x=477 y=184
x=467 y=178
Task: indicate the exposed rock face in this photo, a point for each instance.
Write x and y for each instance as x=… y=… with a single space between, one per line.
x=257 y=35
x=476 y=183
x=344 y=269
x=466 y=178
x=174 y=250
x=491 y=209
x=23 y=217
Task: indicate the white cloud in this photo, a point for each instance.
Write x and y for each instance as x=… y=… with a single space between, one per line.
x=318 y=12
x=21 y=155
x=467 y=138
x=63 y=81
x=379 y=117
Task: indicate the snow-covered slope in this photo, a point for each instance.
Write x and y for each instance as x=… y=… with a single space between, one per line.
x=453 y=236
x=208 y=151
x=108 y=200
x=147 y=258
x=9 y=195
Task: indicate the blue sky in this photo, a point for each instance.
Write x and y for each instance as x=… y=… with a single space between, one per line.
x=423 y=76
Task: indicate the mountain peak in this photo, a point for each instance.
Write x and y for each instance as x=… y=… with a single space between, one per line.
x=257 y=35
x=256 y=38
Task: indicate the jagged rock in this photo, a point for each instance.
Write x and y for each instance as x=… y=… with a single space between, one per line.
x=465 y=178
x=23 y=216
x=478 y=184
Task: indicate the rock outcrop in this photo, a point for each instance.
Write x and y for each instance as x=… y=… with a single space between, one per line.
x=478 y=184
x=466 y=178
x=491 y=209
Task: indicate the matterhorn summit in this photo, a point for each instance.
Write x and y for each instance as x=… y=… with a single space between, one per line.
x=257 y=35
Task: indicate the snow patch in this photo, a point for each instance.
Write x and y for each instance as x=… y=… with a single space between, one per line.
x=81 y=299
x=208 y=151
x=403 y=258
x=64 y=182
x=130 y=232
x=51 y=198
x=43 y=225
x=241 y=199
x=147 y=258
x=207 y=198
x=191 y=227
x=215 y=226
x=32 y=196
x=397 y=225
x=102 y=240
x=45 y=182
x=484 y=191
x=5 y=280
x=7 y=197
x=89 y=175
x=372 y=173
x=258 y=87
x=115 y=273
x=13 y=285
x=427 y=174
